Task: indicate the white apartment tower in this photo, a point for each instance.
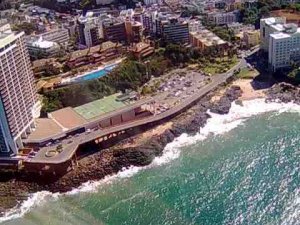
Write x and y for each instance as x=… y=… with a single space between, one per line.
x=281 y=41
x=19 y=104
x=269 y=26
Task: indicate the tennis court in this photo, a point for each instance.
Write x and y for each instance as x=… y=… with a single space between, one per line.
x=99 y=107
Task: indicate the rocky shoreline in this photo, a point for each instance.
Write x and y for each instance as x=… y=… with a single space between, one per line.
x=283 y=92
x=16 y=187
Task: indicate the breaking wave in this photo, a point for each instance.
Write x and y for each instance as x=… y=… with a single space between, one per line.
x=216 y=125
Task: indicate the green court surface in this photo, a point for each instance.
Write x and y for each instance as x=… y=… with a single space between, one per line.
x=99 y=107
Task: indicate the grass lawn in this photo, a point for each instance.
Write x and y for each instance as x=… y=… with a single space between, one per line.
x=246 y=73
x=220 y=65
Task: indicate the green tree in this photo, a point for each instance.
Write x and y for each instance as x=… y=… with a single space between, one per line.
x=28 y=28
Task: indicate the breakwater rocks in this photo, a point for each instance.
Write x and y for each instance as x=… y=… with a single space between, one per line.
x=15 y=187
x=224 y=104
x=284 y=92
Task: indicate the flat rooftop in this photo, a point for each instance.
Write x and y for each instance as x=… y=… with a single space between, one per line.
x=45 y=128
x=280 y=35
x=99 y=107
x=67 y=118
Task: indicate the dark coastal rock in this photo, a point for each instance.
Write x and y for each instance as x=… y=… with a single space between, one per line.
x=133 y=157
x=112 y=160
x=284 y=92
x=224 y=104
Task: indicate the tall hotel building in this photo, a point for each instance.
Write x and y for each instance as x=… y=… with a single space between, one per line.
x=19 y=103
x=281 y=40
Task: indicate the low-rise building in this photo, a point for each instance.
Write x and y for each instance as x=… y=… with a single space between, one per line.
x=222 y=18
x=101 y=53
x=141 y=50
x=39 y=48
x=60 y=36
x=205 y=39
x=240 y=28
x=251 y=38
x=43 y=67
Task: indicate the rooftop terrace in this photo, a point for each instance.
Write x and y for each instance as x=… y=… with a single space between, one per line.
x=99 y=107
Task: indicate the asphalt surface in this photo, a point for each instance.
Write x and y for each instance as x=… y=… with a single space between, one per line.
x=69 y=148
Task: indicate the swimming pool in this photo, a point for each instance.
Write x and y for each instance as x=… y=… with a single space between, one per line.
x=95 y=74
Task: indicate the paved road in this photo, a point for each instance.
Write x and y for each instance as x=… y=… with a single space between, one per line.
x=71 y=148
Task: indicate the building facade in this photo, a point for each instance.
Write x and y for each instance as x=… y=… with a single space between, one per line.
x=174 y=31
x=282 y=41
x=19 y=104
x=39 y=48
x=134 y=31
x=269 y=26
x=251 y=38
x=89 y=31
x=104 y=52
x=284 y=48
x=205 y=39
x=114 y=30
x=141 y=50
x=222 y=18
x=60 y=36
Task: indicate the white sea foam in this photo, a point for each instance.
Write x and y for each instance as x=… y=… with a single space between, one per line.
x=291 y=214
x=216 y=125
x=35 y=199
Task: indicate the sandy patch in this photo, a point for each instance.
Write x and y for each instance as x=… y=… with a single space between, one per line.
x=249 y=92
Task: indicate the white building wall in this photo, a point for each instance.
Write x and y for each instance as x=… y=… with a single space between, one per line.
x=282 y=51
x=18 y=91
x=269 y=26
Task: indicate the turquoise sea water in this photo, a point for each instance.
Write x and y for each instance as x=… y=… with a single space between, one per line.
x=247 y=172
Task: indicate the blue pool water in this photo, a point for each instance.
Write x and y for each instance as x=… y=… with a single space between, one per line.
x=96 y=74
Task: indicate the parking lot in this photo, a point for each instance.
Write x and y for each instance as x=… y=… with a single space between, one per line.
x=177 y=85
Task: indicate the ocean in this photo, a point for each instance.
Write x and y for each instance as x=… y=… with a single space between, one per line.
x=241 y=168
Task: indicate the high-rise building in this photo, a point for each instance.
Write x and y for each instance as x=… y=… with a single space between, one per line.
x=282 y=42
x=19 y=104
x=174 y=31
x=114 y=30
x=284 y=47
x=134 y=31
x=269 y=26
x=90 y=30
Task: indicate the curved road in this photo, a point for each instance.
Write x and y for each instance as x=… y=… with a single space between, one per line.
x=70 y=149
